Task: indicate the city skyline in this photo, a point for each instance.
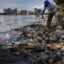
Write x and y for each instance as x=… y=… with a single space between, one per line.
x=22 y=4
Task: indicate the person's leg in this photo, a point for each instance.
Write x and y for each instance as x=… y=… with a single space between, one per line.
x=50 y=16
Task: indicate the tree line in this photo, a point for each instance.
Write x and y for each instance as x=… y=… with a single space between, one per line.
x=60 y=2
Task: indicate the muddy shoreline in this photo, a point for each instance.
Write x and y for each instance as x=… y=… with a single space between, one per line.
x=32 y=45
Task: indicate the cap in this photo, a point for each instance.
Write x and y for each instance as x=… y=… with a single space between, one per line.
x=46 y=3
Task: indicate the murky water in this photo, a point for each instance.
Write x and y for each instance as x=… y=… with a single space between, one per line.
x=11 y=22
x=8 y=36
x=8 y=22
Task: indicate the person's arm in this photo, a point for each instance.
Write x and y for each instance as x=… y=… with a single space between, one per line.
x=43 y=12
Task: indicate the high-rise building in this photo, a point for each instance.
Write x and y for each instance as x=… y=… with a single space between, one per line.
x=36 y=11
x=11 y=11
x=24 y=12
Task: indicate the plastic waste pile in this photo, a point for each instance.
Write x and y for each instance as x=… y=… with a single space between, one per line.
x=34 y=44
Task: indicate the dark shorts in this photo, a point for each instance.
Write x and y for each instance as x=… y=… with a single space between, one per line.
x=50 y=16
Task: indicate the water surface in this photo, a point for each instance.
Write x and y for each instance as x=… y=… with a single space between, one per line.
x=8 y=22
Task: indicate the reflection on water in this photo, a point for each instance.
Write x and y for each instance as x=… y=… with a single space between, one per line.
x=11 y=22
x=8 y=22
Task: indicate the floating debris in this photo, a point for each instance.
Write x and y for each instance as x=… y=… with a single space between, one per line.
x=6 y=36
x=39 y=43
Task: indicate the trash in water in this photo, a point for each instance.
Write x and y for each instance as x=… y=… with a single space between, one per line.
x=34 y=44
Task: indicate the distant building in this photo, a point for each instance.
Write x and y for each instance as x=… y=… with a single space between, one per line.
x=24 y=12
x=15 y=11
x=1 y=12
x=11 y=11
x=31 y=12
x=18 y=12
x=38 y=11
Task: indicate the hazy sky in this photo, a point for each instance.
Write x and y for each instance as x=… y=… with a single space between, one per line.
x=21 y=4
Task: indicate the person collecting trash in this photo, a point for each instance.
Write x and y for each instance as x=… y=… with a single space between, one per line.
x=52 y=8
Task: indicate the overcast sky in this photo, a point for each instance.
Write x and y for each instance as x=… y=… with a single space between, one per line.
x=21 y=4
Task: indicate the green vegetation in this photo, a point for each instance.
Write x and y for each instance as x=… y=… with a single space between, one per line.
x=45 y=13
x=60 y=2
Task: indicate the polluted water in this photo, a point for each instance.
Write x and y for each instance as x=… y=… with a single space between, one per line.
x=32 y=44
